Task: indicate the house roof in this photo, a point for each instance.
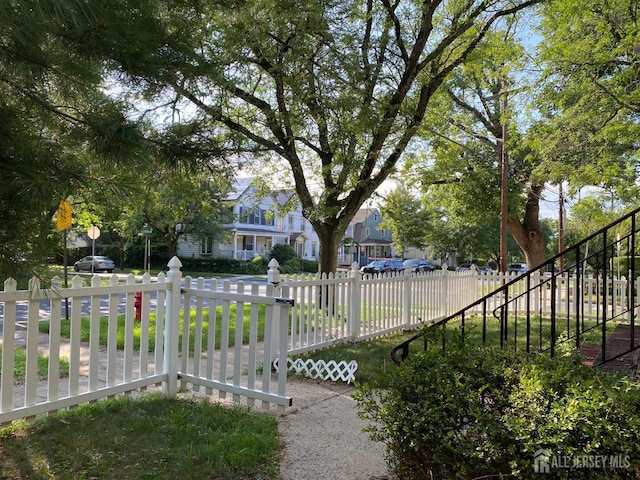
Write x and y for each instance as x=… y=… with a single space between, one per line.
x=254 y=231
x=239 y=187
x=375 y=241
x=362 y=214
x=298 y=235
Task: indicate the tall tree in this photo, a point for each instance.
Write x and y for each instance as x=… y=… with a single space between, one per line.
x=173 y=200
x=56 y=123
x=463 y=167
x=589 y=131
x=336 y=90
x=406 y=218
x=175 y=203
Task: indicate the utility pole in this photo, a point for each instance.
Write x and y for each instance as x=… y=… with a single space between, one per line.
x=504 y=187
x=560 y=226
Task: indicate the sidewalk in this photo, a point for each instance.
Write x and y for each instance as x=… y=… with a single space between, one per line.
x=322 y=436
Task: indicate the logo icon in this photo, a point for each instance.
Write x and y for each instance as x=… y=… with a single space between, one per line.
x=541 y=461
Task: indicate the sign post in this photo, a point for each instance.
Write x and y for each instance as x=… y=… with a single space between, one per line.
x=146 y=231
x=93 y=233
x=63 y=223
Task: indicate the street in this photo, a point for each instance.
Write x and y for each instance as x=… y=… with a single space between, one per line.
x=45 y=313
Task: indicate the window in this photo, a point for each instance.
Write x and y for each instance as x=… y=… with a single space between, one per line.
x=267 y=217
x=206 y=247
x=246 y=215
x=367 y=232
x=291 y=223
x=313 y=250
x=375 y=217
x=247 y=243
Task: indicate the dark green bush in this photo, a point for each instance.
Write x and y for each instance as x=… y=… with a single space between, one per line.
x=283 y=253
x=293 y=265
x=472 y=412
x=310 y=266
x=256 y=266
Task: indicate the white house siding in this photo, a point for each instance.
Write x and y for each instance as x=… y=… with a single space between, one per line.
x=191 y=247
x=254 y=232
x=188 y=247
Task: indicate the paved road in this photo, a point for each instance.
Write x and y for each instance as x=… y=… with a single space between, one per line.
x=45 y=314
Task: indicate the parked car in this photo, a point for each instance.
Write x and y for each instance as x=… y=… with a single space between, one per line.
x=418 y=265
x=382 y=266
x=464 y=267
x=517 y=268
x=100 y=264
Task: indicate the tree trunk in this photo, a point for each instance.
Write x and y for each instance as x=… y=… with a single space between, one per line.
x=527 y=233
x=330 y=239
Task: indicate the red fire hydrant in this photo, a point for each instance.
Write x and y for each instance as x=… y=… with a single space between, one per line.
x=137 y=303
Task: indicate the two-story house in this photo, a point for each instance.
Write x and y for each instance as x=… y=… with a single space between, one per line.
x=259 y=222
x=364 y=240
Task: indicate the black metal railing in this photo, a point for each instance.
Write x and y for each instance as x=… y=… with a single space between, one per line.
x=548 y=306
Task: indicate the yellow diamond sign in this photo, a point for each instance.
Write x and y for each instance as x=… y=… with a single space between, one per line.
x=64 y=216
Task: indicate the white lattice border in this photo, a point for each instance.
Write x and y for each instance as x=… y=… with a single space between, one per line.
x=319 y=369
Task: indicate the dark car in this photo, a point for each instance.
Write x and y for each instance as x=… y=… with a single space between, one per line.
x=418 y=265
x=100 y=264
x=382 y=266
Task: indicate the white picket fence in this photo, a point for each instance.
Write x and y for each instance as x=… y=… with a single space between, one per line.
x=235 y=330
x=349 y=306
x=574 y=295
x=164 y=357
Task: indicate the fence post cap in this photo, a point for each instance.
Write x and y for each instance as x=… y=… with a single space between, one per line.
x=273 y=263
x=174 y=263
x=273 y=275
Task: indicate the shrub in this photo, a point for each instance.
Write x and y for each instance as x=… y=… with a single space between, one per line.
x=290 y=266
x=310 y=266
x=258 y=266
x=283 y=253
x=473 y=412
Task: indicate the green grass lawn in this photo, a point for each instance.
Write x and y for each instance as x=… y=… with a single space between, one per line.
x=20 y=365
x=152 y=437
x=145 y=438
x=65 y=328
x=374 y=356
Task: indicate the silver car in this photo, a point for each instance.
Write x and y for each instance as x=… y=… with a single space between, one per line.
x=98 y=263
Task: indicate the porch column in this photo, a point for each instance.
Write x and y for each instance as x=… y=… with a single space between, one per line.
x=235 y=244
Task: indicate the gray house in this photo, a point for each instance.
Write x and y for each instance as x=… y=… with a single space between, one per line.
x=365 y=240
